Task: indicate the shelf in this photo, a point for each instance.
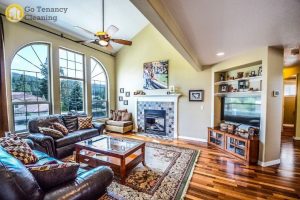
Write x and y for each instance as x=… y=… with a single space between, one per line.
x=255 y=78
x=238 y=93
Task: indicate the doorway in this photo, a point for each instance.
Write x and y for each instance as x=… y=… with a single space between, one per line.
x=289 y=106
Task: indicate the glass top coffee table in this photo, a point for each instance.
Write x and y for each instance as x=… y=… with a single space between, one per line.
x=122 y=155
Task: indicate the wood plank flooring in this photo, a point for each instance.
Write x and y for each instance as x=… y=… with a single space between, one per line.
x=218 y=175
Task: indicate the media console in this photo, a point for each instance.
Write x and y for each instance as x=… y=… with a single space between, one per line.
x=245 y=149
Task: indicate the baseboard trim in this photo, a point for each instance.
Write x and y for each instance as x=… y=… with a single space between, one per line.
x=296 y=138
x=269 y=163
x=192 y=138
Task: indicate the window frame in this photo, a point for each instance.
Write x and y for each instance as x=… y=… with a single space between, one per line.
x=49 y=102
x=73 y=78
x=107 y=88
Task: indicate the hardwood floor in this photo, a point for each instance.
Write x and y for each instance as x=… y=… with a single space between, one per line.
x=220 y=176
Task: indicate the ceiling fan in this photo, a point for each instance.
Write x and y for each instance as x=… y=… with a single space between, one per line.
x=103 y=38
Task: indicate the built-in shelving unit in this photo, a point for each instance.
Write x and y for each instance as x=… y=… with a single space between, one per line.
x=255 y=78
x=238 y=93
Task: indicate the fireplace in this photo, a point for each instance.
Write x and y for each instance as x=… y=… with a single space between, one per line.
x=155 y=122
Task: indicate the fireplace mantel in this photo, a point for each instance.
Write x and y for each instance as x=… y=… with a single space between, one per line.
x=158 y=98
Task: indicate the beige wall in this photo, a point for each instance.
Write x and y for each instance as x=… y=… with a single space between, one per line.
x=274 y=105
x=18 y=35
x=150 y=45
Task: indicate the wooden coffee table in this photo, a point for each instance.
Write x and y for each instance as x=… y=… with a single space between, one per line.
x=121 y=155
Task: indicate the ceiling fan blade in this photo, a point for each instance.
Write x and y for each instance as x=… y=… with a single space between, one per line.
x=111 y=30
x=120 y=41
x=87 y=31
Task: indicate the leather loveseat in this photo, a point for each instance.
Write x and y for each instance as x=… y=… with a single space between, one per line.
x=61 y=147
x=17 y=182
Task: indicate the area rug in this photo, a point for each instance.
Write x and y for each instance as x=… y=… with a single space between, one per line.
x=166 y=175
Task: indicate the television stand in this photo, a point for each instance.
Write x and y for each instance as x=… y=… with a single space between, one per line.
x=245 y=149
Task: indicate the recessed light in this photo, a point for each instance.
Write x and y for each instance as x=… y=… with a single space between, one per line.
x=220 y=54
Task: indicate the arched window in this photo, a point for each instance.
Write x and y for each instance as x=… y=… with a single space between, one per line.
x=30 y=89
x=99 y=87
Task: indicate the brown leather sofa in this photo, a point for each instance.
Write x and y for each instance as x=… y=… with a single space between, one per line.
x=62 y=147
x=17 y=182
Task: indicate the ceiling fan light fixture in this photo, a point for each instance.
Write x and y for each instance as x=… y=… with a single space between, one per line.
x=103 y=43
x=220 y=54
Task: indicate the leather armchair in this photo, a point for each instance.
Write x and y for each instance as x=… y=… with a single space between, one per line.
x=17 y=183
x=88 y=185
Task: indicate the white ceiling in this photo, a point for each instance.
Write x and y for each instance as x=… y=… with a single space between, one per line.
x=88 y=14
x=235 y=26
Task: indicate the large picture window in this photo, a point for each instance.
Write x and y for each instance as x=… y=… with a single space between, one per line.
x=99 y=90
x=71 y=81
x=30 y=84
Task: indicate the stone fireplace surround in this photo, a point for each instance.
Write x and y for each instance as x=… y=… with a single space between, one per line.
x=169 y=103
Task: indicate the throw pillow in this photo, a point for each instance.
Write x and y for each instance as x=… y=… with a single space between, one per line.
x=85 y=122
x=113 y=115
x=71 y=122
x=61 y=128
x=126 y=116
x=49 y=176
x=18 y=148
x=51 y=132
x=119 y=114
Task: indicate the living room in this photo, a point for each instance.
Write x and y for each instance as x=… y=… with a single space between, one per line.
x=148 y=99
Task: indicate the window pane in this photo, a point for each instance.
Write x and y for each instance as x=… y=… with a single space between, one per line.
x=62 y=53
x=71 y=56
x=290 y=90
x=79 y=58
x=24 y=112
x=63 y=63
x=71 y=65
x=79 y=74
x=71 y=95
x=99 y=90
x=20 y=121
x=29 y=82
x=99 y=109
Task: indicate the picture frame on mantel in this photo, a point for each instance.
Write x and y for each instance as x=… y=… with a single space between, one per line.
x=196 y=95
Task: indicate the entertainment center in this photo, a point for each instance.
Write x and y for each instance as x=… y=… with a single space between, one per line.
x=237 y=111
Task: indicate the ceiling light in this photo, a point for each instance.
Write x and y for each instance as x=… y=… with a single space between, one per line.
x=220 y=54
x=103 y=43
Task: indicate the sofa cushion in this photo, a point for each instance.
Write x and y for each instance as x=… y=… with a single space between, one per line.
x=119 y=123
x=60 y=127
x=71 y=122
x=44 y=158
x=71 y=138
x=18 y=148
x=55 y=134
x=16 y=180
x=126 y=116
x=51 y=175
x=119 y=114
x=85 y=122
x=76 y=136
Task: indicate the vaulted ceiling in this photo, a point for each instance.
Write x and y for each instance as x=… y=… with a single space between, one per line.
x=88 y=14
x=230 y=26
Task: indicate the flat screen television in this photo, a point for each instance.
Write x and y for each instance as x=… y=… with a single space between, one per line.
x=241 y=110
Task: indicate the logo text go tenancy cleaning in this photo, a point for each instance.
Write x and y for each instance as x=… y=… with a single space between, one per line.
x=40 y=13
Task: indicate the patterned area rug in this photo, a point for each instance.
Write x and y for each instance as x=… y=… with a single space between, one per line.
x=166 y=175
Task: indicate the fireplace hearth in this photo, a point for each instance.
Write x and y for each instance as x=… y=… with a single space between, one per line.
x=155 y=122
